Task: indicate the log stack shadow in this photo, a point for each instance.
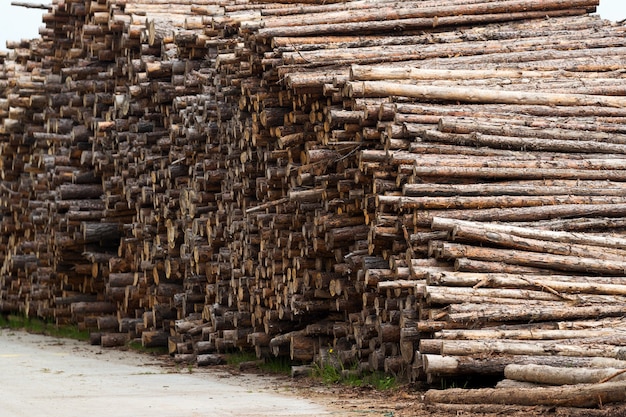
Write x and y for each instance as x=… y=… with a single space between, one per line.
x=435 y=191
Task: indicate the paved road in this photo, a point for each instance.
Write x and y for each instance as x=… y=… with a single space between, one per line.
x=43 y=376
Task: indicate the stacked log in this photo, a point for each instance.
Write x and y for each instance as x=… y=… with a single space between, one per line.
x=289 y=179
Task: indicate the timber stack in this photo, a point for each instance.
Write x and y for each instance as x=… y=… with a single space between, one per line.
x=435 y=191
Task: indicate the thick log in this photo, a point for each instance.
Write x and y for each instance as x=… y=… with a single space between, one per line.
x=495 y=364
x=455 y=203
x=493 y=313
x=517 y=143
x=476 y=95
x=151 y=339
x=571 y=396
x=406 y=24
x=534 y=188
x=452 y=295
x=447 y=250
x=552 y=283
x=114 y=339
x=211 y=359
x=550 y=375
x=533 y=233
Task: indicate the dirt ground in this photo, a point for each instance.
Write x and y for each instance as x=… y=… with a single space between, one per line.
x=40 y=373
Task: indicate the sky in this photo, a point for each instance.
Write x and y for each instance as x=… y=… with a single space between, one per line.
x=18 y=22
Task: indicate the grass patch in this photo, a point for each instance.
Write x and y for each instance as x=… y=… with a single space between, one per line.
x=331 y=375
x=138 y=347
x=235 y=358
x=381 y=381
x=279 y=365
x=273 y=365
x=330 y=369
x=38 y=326
x=327 y=373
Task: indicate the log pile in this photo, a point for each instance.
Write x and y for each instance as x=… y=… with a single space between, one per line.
x=433 y=191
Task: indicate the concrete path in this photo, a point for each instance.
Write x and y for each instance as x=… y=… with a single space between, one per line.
x=43 y=376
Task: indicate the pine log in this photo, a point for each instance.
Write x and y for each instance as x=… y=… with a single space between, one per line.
x=570 y=396
x=517 y=143
x=493 y=313
x=473 y=265
x=510 y=174
x=550 y=375
x=530 y=188
x=525 y=334
x=447 y=250
x=495 y=364
x=475 y=95
x=501 y=239
x=439 y=203
x=552 y=283
x=555 y=236
x=210 y=359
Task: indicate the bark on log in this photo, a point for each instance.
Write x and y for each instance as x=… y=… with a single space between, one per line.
x=440 y=223
x=474 y=95
x=558 y=262
x=450 y=365
x=549 y=375
x=571 y=396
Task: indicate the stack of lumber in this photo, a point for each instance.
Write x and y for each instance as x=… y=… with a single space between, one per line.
x=433 y=190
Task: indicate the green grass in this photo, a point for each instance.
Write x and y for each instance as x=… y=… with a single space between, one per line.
x=235 y=358
x=331 y=375
x=280 y=365
x=327 y=373
x=331 y=370
x=138 y=347
x=33 y=325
